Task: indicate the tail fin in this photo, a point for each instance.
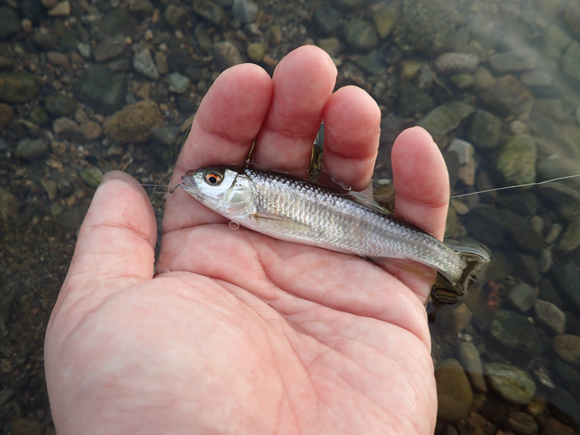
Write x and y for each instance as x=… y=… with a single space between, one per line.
x=476 y=258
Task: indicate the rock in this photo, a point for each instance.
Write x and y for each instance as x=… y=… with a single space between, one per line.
x=256 y=51
x=176 y=16
x=161 y=63
x=545 y=260
x=558 y=193
x=72 y=219
x=540 y=79
x=508 y=97
x=445 y=118
x=567 y=279
x=110 y=48
x=454 y=63
x=38 y=116
x=510 y=383
x=6 y=64
x=520 y=59
x=164 y=135
x=178 y=83
x=90 y=130
x=554 y=41
x=551 y=316
x=332 y=46
x=412 y=100
x=48 y=4
x=61 y=9
x=570 y=61
x=483 y=79
x=210 y=11
x=385 y=19
x=516 y=161
x=119 y=21
x=143 y=63
x=566 y=407
x=60 y=105
x=8 y=205
x=425 y=26
x=522 y=423
x=471 y=362
x=101 y=89
x=567 y=347
x=84 y=50
x=454 y=393
x=133 y=123
x=454 y=318
x=19 y=87
x=484 y=130
x=6 y=115
x=553 y=234
x=25 y=426
x=29 y=149
x=549 y=169
x=348 y=5
x=463 y=149
x=462 y=81
x=9 y=22
x=526 y=268
x=571 y=238
x=31 y=10
x=555 y=427
x=522 y=296
x=226 y=55
x=326 y=19
x=245 y=10
x=515 y=335
x=360 y=34
x=571 y=16
x=92 y=176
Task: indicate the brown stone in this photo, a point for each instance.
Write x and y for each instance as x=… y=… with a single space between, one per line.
x=58 y=59
x=133 y=123
x=6 y=115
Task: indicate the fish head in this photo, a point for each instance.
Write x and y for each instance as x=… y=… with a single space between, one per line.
x=225 y=190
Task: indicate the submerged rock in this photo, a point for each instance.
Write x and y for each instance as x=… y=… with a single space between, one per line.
x=101 y=89
x=471 y=362
x=515 y=335
x=445 y=118
x=360 y=34
x=516 y=161
x=508 y=97
x=510 y=383
x=226 y=54
x=550 y=315
x=134 y=123
x=520 y=59
x=29 y=149
x=484 y=130
x=454 y=63
x=19 y=87
x=454 y=393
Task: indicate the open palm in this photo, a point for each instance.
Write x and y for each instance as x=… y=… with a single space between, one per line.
x=237 y=332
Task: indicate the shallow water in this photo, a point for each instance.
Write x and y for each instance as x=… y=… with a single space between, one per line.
x=495 y=82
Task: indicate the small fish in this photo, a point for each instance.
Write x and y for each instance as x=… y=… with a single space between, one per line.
x=299 y=211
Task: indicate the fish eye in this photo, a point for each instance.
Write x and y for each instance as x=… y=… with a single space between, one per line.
x=213 y=178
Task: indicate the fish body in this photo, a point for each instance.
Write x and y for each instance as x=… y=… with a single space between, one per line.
x=298 y=211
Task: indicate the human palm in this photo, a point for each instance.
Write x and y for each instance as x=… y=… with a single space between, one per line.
x=236 y=332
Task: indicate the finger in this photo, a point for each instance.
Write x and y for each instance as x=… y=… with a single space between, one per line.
x=352 y=126
x=225 y=126
x=116 y=240
x=303 y=82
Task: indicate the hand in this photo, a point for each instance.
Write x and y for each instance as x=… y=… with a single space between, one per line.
x=240 y=333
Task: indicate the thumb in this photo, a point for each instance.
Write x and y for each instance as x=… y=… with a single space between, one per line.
x=116 y=240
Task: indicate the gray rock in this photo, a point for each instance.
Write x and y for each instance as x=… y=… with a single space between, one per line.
x=360 y=34
x=19 y=87
x=60 y=105
x=8 y=205
x=483 y=79
x=178 y=83
x=245 y=10
x=463 y=149
x=526 y=267
x=567 y=347
x=549 y=169
x=484 y=130
x=72 y=219
x=515 y=335
x=176 y=16
x=565 y=404
x=520 y=59
x=385 y=19
x=567 y=280
x=545 y=260
x=540 y=79
x=462 y=81
x=210 y=11
x=522 y=296
x=332 y=46
x=84 y=50
x=226 y=55
x=568 y=373
x=326 y=19
x=553 y=233
x=551 y=316
x=554 y=41
x=110 y=48
x=412 y=100
x=29 y=149
x=101 y=89
x=454 y=63
x=143 y=63
x=9 y=22
x=471 y=362
x=516 y=161
x=164 y=135
x=445 y=118
x=510 y=383
x=454 y=393
x=347 y=5
x=570 y=61
x=571 y=238
x=522 y=423
x=508 y=97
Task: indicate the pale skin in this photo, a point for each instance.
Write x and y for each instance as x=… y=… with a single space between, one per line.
x=235 y=332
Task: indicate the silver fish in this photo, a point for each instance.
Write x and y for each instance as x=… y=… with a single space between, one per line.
x=298 y=211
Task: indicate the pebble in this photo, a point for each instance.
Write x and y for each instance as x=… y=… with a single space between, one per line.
x=556 y=427
x=483 y=79
x=520 y=59
x=72 y=219
x=360 y=34
x=92 y=176
x=570 y=61
x=27 y=26
x=19 y=87
x=58 y=59
x=567 y=347
x=540 y=79
x=109 y=48
x=463 y=149
x=385 y=19
x=48 y=4
x=6 y=115
x=571 y=238
x=510 y=383
x=412 y=100
x=84 y=50
x=326 y=19
x=133 y=123
x=454 y=318
x=50 y=187
x=101 y=89
x=515 y=335
x=516 y=161
x=332 y=46
x=484 y=130
x=545 y=260
x=554 y=40
x=210 y=11
x=522 y=423
x=61 y=9
x=256 y=51
x=9 y=22
x=9 y=205
x=143 y=63
x=164 y=135
x=455 y=63
x=567 y=280
x=60 y=105
x=523 y=296
x=553 y=233
x=226 y=55
x=566 y=405
x=445 y=118
x=29 y=149
x=178 y=83
x=551 y=316
x=245 y=10
x=176 y=16
x=161 y=63
x=454 y=393
x=471 y=362
x=508 y=97
x=462 y=81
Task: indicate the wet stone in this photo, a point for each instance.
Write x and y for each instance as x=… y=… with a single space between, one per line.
x=483 y=79
x=210 y=11
x=92 y=176
x=39 y=116
x=164 y=135
x=554 y=40
x=60 y=105
x=72 y=219
x=545 y=260
x=571 y=238
x=454 y=318
x=537 y=79
x=9 y=22
x=516 y=161
x=6 y=115
x=332 y=46
x=484 y=130
x=61 y=9
x=326 y=19
x=454 y=393
x=522 y=296
x=462 y=81
x=567 y=280
x=226 y=55
x=515 y=335
x=101 y=89
x=29 y=149
x=522 y=423
x=143 y=63
x=109 y=48
x=412 y=100
x=570 y=62
x=385 y=19
x=463 y=149
x=178 y=83
x=445 y=118
x=58 y=59
x=8 y=205
x=84 y=50
x=556 y=427
x=133 y=123
x=510 y=383
x=551 y=316
x=176 y=16
x=6 y=64
x=19 y=87
x=526 y=268
x=565 y=404
x=256 y=51
x=567 y=347
x=520 y=59
x=471 y=362
x=360 y=34
x=454 y=63
x=245 y=10
x=161 y=63
x=569 y=373
x=508 y=97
